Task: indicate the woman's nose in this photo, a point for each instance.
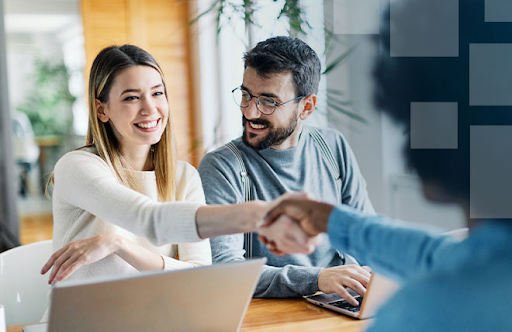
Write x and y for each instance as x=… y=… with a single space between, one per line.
x=148 y=106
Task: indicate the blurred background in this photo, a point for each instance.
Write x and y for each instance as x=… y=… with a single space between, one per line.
x=47 y=47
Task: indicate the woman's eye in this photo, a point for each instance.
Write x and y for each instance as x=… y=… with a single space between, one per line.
x=130 y=98
x=158 y=93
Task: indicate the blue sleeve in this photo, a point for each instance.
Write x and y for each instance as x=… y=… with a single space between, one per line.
x=392 y=248
x=413 y=308
x=442 y=302
x=220 y=174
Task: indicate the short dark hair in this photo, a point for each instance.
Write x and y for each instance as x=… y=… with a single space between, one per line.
x=402 y=80
x=281 y=54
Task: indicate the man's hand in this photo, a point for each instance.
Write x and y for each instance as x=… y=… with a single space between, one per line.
x=311 y=215
x=335 y=279
x=284 y=236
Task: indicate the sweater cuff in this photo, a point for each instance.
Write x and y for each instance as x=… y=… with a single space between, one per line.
x=313 y=283
x=171 y=263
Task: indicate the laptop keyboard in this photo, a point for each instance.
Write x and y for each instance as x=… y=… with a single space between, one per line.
x=347 y=306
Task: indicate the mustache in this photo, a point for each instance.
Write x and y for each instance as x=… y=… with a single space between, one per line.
x=256 y=121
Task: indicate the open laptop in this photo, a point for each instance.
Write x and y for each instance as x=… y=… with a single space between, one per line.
x=212 y=298
x=378 y=291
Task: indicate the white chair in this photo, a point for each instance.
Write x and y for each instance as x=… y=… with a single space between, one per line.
x=23 y=290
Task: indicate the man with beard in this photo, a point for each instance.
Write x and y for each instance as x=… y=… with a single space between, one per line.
x=277 y=153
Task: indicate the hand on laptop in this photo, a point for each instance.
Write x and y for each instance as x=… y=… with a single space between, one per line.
x=336 y=279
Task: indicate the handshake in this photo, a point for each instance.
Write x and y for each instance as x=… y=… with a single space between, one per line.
x=292 y=224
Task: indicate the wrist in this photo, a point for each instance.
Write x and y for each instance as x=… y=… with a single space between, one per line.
x=117 y=243
x=253 y=216
x=320 y=279
x=321 y=221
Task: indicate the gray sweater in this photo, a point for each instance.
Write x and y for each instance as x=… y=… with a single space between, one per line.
x=272 y=173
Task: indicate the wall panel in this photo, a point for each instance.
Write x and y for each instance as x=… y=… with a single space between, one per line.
x=162 y=28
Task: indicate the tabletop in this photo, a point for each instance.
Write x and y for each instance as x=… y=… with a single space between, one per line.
x=287 y=315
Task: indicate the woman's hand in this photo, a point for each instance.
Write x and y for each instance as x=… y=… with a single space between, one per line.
x=76 y=254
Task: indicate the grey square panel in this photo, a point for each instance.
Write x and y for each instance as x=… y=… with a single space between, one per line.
x=358 y=16
x=498 y=11
x=491 y=172
x=490 y=74
x=434 y=126
x=413 y=34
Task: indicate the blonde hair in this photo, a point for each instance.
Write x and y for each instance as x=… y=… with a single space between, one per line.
x=107 y=64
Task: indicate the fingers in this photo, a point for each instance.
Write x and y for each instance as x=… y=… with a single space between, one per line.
x=47 y=266
x=356 y=286
x=346 y=295
x=68 y=269
x=359 y=274
x=367 y=268
x=277 y=207
x=60 y=262
x=65 y=270
x=286 y=237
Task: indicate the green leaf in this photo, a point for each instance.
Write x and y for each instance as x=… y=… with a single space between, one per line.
x=347 y=112
x=338 y=60
x=193 y=21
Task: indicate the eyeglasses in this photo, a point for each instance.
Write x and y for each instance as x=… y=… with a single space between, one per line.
x=265 y=105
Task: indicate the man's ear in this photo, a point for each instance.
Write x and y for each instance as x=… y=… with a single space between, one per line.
x=309 y=106
x=100 y=111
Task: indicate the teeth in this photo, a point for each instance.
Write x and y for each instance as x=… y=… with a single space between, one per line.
x=147 y=125
x=256 y=126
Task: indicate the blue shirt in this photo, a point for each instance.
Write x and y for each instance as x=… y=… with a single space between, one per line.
x=446 y=285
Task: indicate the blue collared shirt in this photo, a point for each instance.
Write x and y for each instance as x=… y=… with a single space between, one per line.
x=447 y=285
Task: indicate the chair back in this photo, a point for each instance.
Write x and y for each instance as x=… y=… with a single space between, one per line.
x=23 y=290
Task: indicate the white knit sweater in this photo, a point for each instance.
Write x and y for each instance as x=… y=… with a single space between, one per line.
x=88 y=200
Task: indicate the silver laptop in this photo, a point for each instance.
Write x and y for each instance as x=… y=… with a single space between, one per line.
x=212 y=298
x=378 y=291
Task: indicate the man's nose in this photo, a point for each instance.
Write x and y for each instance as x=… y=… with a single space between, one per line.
x=251 y=111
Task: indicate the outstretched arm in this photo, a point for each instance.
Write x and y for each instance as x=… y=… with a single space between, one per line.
x=84 y=181
x=390 y=247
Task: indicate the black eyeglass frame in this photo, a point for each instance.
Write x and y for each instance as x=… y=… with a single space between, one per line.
x=258 y=100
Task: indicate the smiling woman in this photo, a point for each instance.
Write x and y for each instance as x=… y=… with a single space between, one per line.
x=122 y=201
x=129 y=141
x=138 y=113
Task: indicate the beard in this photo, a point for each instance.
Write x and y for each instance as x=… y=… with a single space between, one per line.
x=274 y=136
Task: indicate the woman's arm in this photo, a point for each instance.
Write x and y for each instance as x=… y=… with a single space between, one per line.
x=84 y=181
x=190 y=189
x=76 y=254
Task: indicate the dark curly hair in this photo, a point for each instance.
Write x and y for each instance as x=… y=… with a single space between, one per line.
x=281 y=54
